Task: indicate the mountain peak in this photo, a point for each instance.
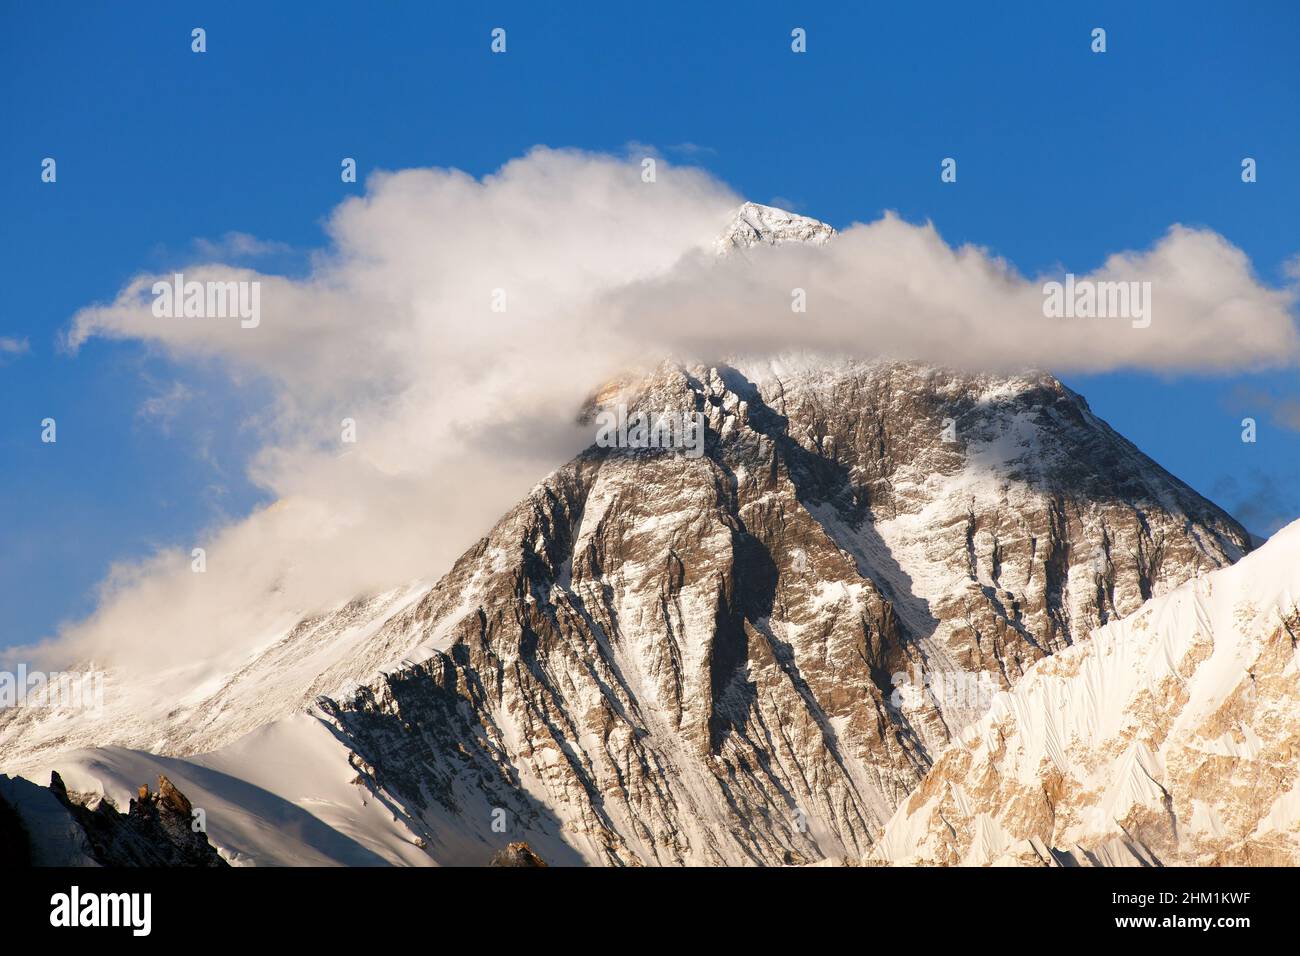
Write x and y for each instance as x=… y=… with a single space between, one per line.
x=755 y=224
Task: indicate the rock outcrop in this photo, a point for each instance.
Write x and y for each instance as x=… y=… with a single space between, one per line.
x=517 y=854
x=73 y=829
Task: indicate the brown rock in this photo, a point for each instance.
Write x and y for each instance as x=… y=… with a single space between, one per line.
x=517 y=854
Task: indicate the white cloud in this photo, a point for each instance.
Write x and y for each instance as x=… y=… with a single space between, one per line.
x=460 y=409
x=12 y=348
x=165 y=405
x=895 y=289
x=238 y=245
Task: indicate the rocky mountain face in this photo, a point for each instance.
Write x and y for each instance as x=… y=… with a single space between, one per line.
x=754 y=656
x=1168 y=738
x=750 y=656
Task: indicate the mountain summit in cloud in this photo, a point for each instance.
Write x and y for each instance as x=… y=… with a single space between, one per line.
x=460 y=355
x=660 y=659
x=754 y=656
x=756 y=224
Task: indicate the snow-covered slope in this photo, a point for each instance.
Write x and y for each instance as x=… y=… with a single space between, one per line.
x=285 y=795
x=736 y=658
x=214 y=702
x=1171 y=737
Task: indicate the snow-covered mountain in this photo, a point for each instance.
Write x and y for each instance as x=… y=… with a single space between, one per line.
x=1170 y=737
x=755 y=224
x=751 y=656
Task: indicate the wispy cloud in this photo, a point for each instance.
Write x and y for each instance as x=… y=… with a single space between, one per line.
x=692 y=149
x=1259 y=500
x=687 y=151
x=11 y=348
x=238 y=245
x=1282 y=411
x=163 y=407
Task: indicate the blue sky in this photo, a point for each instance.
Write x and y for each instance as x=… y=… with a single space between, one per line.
x=1065 y=156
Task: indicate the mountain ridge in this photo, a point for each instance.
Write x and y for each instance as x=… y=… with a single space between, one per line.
x=1168 y=738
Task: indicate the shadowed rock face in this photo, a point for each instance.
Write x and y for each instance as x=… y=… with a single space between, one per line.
x=88 y=830
x=15 y=842
x=157 y=829
x=668 y=660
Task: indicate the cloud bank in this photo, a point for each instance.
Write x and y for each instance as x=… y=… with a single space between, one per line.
x=460 y=408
